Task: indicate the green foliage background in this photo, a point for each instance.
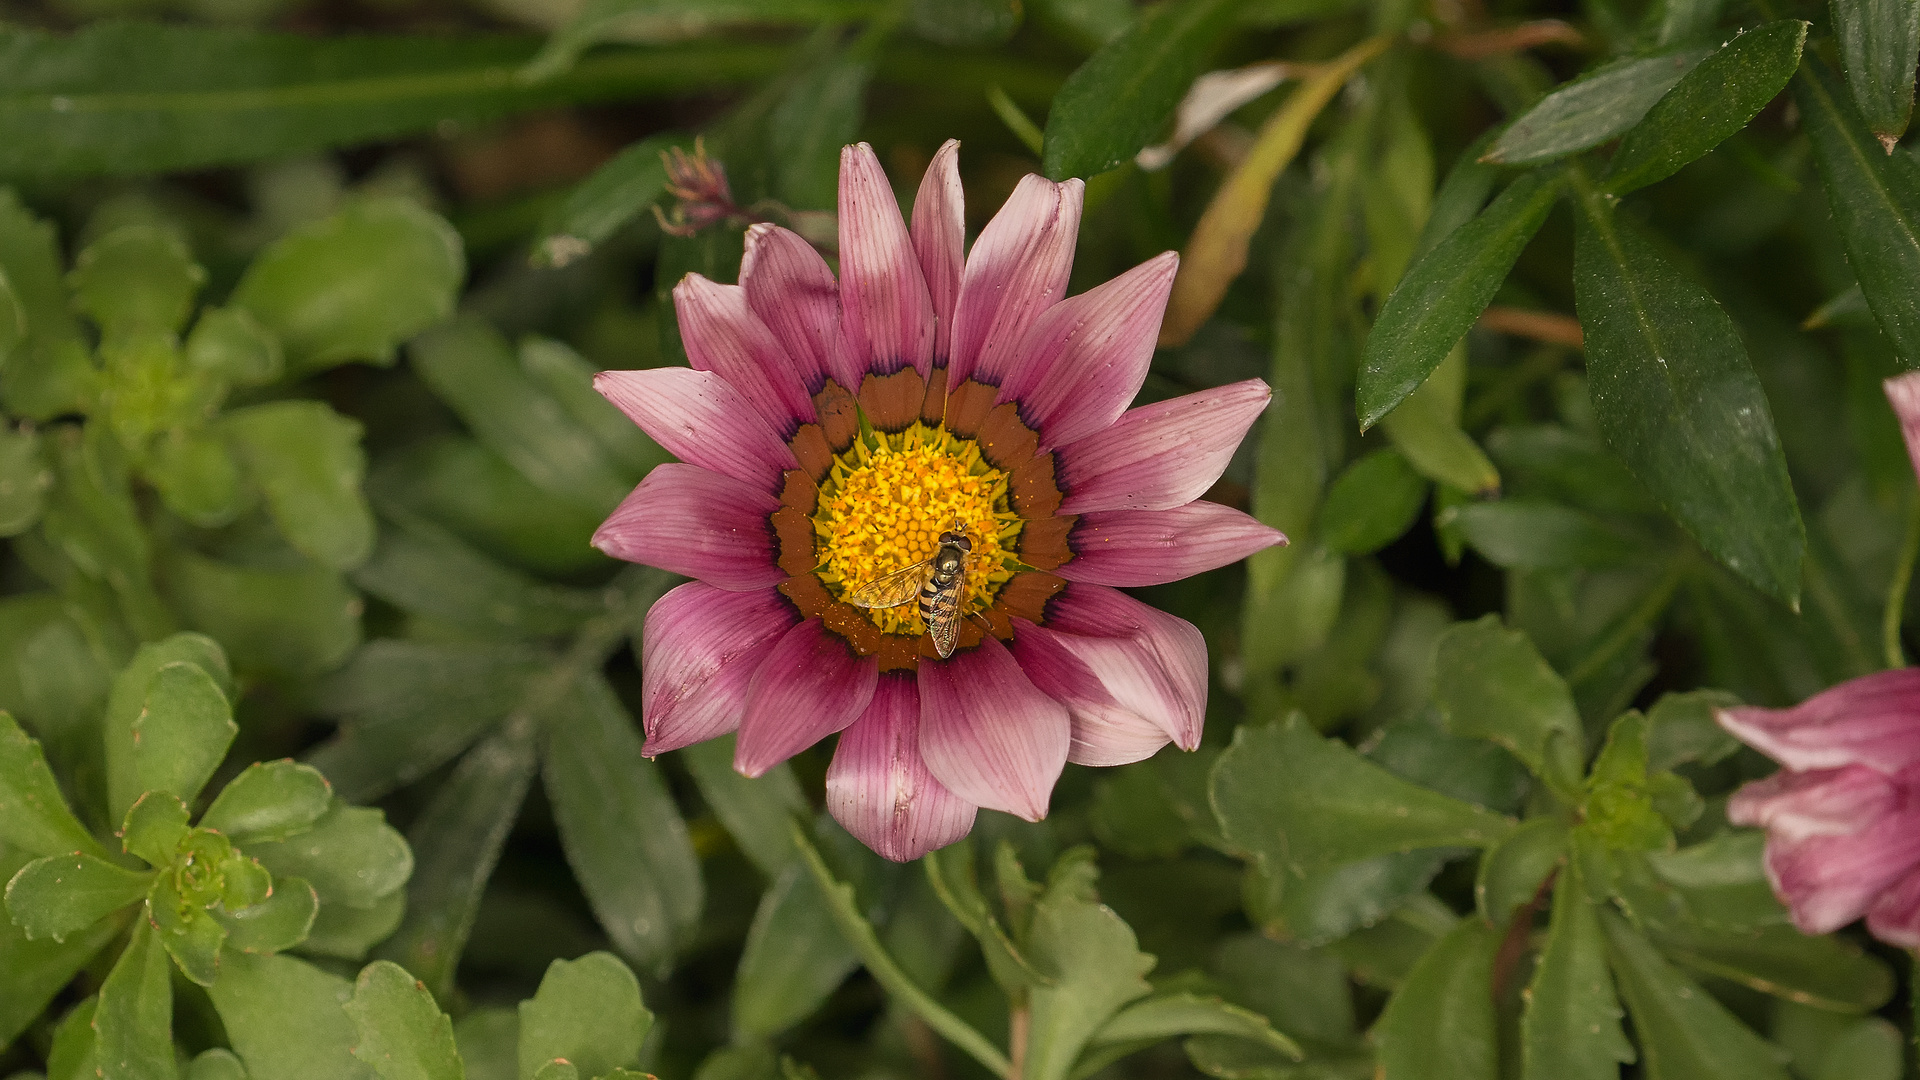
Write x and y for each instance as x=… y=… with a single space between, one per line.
x=319 y=755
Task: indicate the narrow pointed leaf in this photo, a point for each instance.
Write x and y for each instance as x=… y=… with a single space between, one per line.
x=1440 y=1025
x=794 y=958
x=1825 y=972
x=1592 y=109
x=1684 y=1034
x=1879 y=42
x=616 y=193
x=1571 y=1027
x=1161 y=1018
x=34 y=816
x=754 y=810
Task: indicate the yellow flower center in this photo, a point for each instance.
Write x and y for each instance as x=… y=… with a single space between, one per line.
x=885 y=503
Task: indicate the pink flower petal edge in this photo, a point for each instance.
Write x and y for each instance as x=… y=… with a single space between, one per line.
x=702 y=420
x=886 y=315
x=939 y=234
x=880 y=789
x=1873 y=720
x=1133 y=548
x=1903 y=393
x=1794 y=806
x=1018 y=269
x=988 y=734
x=724 y=336
x=699 y=650
x=687 y=520
x=1829 y=881
x=791 y=288
x=810 y=686
x=1159 y=456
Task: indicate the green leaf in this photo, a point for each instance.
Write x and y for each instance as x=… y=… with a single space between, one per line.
x=307 y=458
x=489 y=1042
x=587 y=1011
x=128 y=98
x=1121 y=98
x=182 y=733
x=186 y=929
x=1440 y=1025
x=557 y=1070
x=641 y=20
x=1869 y=1050
x=1674 y=395
x=48 y=373
x=422 y=568
x=620 y=828
x=196 y=475
x=129 y=700
x=216 y=1064
x=133 y=1024
x=403 y=1034
x=1681 y=729
x=1515 y=533
x=1160 y=1018
x=275 y=924
x=1714 y=100
x=1571 y=1027
x=73 y=1055
x=468 y=365
x=33 y=814
x=300 y=621
x=350 y=932
x=1825 y=972
x=60 y=895
x=155 y=827
x=1093 y=965
x=1879 y=40
x=794 y=958
x=1490 y=683
x=1875 y=199
x=354 y=285
x=137 y=277
x=603 y=203
x=1425 y=427
x=475 y=492
x=1294 y=798
x=231 y=344
x=819 y=114
x=33 y=972
x=963 y=23
x=755 y=810
x=1723 y=881
x=1684 y=1034
x=1370 y=504
x=568 y=377
x=24 y=479
x=13 y=318
x=951 y=873
x=1592 y=109
x=269 y=800
x=1512 y=872
x=350 y=855
x=285 y=1017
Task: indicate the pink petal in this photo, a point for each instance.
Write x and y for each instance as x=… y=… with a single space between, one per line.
x=1084 y=359
x=1152 y=547
x=1159 y=456
x=790 y=287
x=879 y=788
x=1873 y=720
x=1903 y=393
x=1018 y=269
x=1106 y=730
x=886 y=316
x=810 y=686
x=1152 y=663
x=702 y=420
x=939 y=232
x=724 y=336
x=698 y=523
x=988 y=734
x=1825 y=802
x=1829 y=881
x=698 y=652
x=1895 y=917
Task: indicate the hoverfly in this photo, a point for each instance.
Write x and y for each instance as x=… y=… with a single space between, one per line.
x=940 y=582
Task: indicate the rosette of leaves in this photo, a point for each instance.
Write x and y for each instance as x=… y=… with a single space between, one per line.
x=274 y=862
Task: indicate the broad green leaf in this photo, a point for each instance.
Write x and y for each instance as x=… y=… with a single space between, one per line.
x=1571 y=1027
x=1825 y=972
x=645 y=20
x=49 y=373
x=130 y=98
x=1514 y=533
x=950 y=871
x=1714 y=100
x=1869 y=1050
x=620 y=828
x=232 y=344
x=13 y=318
x=133 y=1024
x=350 y=855
x=1440 y=1025
x=269 y=800
x=1118 y=100
x=181 y=734
x=24 y=479
x=73 y=1054
x=793 y=960
x=1723 y=881
x=128 y=701
x=216 y=1064
x=1674 y=395
x=137 y=277
x=33 y=813
x=565 y=374
x=61 y=895
x=1879 y=40
x=299 y=621
x=285 y=1017
x=603 y=203
x=354 y=285
x=1425 y=427
x=1490 y=683
x=819 y=114
x=33 y=972
x=1294 y=798
x=350 y=932
x=755 y=810
x=1372 y=503
x=1684 y=1034
x=458 y=838
x=308 y=460
x=962 y=23
x=489 y=1043
x=196 y=474
x=1160 y=1018
x=1875 y=199
x=275 y=924
x=403 y=1034
x=408 y=707
x=1092 y=962
x=155 y=827
x=1681 y=729
x=1592 y=109
x=587 y=1011
x=420 y=567
x=1513 y=871
x=469 y=366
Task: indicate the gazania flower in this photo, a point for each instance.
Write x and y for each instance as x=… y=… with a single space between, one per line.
x=832 y=432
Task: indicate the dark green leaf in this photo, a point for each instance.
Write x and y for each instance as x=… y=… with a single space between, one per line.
x=269 y=800
x=1675 y=396
x=422 y=568
x=354 y=285
x=621 y=830
x=962 y=23
x=33 y=814
x=1536 y=533
x=136 y=278
x=794 y=957
x=1444 y=291
x=597 y=207
x=1714 y=100
x=1121 y=98
x=73 y=1055
x=641 y=20
x=182 y=733
x=1492 y=684
x=285 y=1017
x=820 y=113
x=1571 y=1028
x=754 y=810
x=1375 y=500
x=349 y=932
x=1681 y=729
x=1879 y=40
x=350 y=855
x=1512 y=872
x=33 y=972
x=24 y=479
x=1160 y=1018
x=1440 y=1024
x=950 y=871
x=133 y=1024
x=1684 y=1034
x=290 y=622
x=403 y=1034
x=1875 y=198
x=587 y=1011
x=155 y=827
x=61 y=895
x=1825 y=972
x=567 y=375
x=1592 y=109
x=275 y=924
x=307 y=458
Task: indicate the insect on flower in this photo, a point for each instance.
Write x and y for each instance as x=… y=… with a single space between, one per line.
x=940 y=583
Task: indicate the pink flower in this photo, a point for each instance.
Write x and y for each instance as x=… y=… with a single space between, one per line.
x=832 y=431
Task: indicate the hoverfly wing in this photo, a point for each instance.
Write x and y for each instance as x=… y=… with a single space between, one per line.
x=891 y=589
x=942 y=612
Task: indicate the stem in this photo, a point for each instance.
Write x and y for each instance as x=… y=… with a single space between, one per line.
x=1513 y=944
x=1018 y=1022
x=885 y=971
x=1897 y=590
